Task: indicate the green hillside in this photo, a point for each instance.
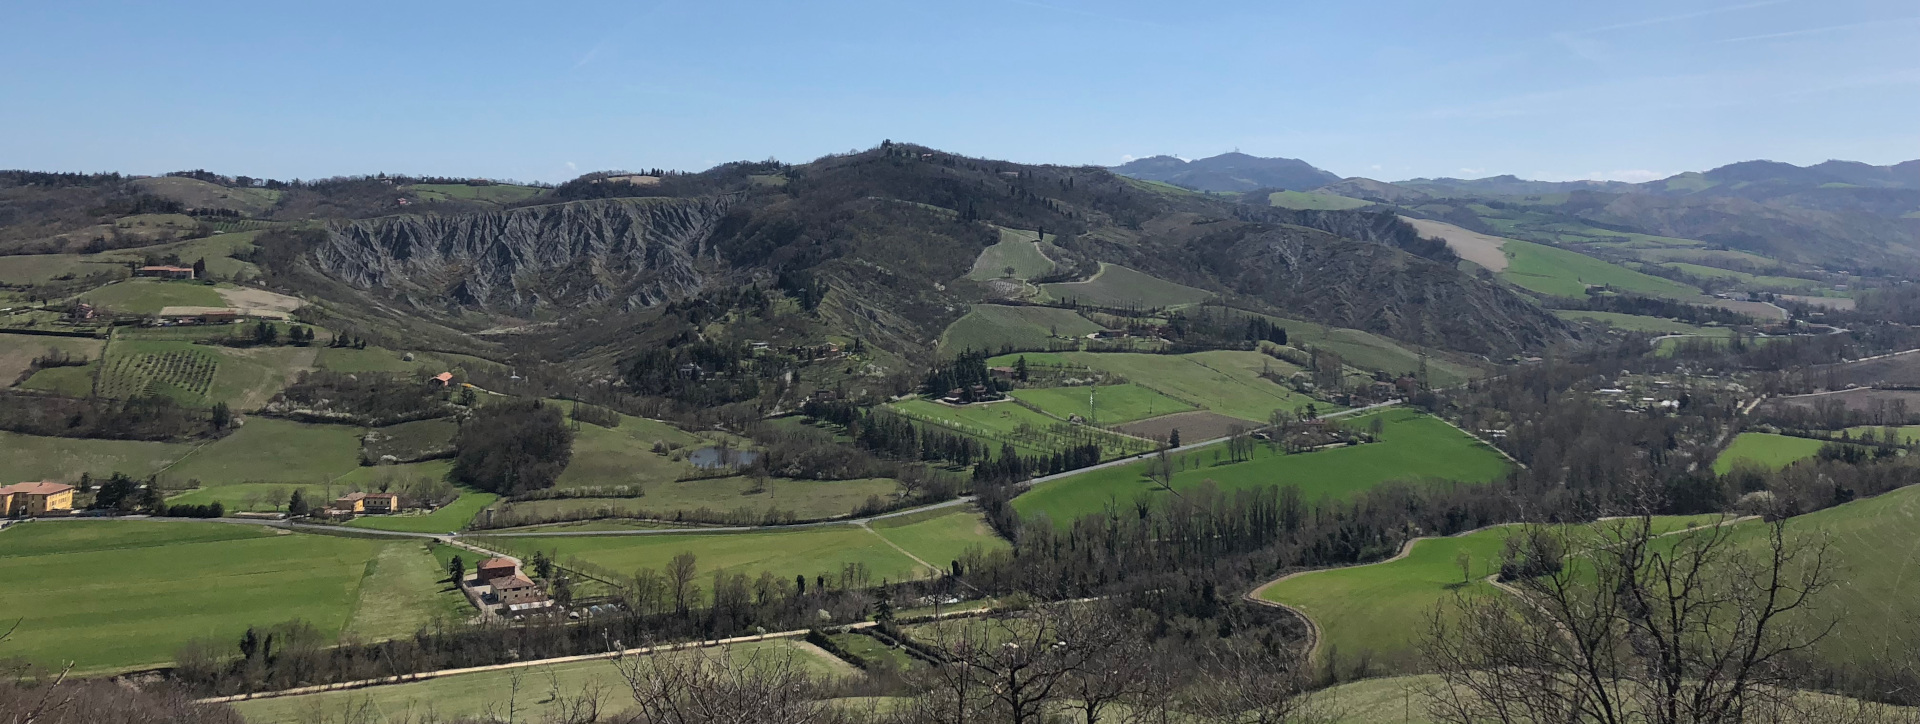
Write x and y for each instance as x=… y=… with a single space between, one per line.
x=1558 y=272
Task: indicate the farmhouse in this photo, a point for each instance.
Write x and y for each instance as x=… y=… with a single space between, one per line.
x=492 y=568
x=30 y=499
x=509 y=587
x=444 y=378
x=165 y=272
x=381 y=502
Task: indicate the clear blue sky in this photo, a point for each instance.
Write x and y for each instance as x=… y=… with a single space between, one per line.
x=541 y=91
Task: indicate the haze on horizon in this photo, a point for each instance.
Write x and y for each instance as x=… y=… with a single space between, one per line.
x=1628 y=91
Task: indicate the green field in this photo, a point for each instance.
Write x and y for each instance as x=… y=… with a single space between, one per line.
x=492 y=193
x=267 y=450
x=1224 y=381
x=1905 y=434
x=807 y=551
x=624 y=455
x=1367 y=350
x=1310 y=200
x=1412 y=446
x=1016 y=249
x=1640 y=323
x=1122 y=288
x=218 y=251
x=804 y=499
x=111 y=595
x=148 y=296
x=18 y=351
x=1381 y=610
x=940 y=536
x=270 y=497
x=1876 y=547
x=1558 y=272
x=32 y=457
x=69 y=381
x=992 y=327
x=1765 y=450
x=1115 y=404
x=1753 y=281
x=1008 y=422
x=477 y=694
x=45 y=268
x=198 y=374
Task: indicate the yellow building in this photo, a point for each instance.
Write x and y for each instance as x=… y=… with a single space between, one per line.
x=31 y=499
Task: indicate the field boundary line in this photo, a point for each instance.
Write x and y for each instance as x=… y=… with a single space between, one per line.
x=937 y=572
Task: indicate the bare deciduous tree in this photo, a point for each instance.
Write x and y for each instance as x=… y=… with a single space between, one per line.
x=1696 y=627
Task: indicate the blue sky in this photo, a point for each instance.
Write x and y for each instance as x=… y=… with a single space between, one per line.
x=539 y=91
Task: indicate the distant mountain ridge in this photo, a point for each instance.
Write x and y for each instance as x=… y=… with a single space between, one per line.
x=1229 y=172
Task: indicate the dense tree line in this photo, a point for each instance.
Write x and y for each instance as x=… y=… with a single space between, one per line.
x=372 y=398
x=963 y=372
x=512 y=447
x=141 y=418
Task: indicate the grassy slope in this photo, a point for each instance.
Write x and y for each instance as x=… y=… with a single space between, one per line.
x=242 y=377
x=404 y=588
x=1016 y=249
x=1381 y=609
x=939 y=537
x=266 y=450
x=808 y=499
x=1116 y=403
x=1118 y=286
x=992 y=327
x=1877 y=546
x=1310 y=200
x=18 y=351
x=1639 y=323
x=472 y=695
x=785 y=554
x=1765 y=450
x=450 y=517
x=1227 y=382
x=1562 y=273
x=31 y=457
x=1412 y=445
x=119 y=594
x=624 y=455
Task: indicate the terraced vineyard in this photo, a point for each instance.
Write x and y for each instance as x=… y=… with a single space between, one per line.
x=184 y=375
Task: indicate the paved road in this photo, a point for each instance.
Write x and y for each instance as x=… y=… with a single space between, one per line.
x=451 y=537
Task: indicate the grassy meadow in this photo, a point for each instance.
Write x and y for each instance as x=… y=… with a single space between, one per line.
x=64 y=459
x=126 y=594
x=268 y=450
x=1380 y=611
x=1765 y=450
x=1561 y=273
x=1017 y=250
x=483 y=693
x=1640 y=323
x=1115 y=403
x=1412 y=446
x=940 y=536
x=149 y=296
x=809 y=552
x=992 y=327
x=1224 y=381
x=1119 y=287
x=623 y=455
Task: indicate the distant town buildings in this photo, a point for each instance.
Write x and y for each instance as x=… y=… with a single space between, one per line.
x=32 y=499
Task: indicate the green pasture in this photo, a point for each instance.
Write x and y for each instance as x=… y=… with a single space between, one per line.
x=1314 y=201
x=992 y=327
x=1119 y=287
x=1412 y=446
x=148 y=296
x=487 y=693
x=1876 y=547
x=1756 y=281
x=125 y=594
x=64 y=459
x=1902 y=434
x=1641 y=323
x=1370 y=351
x=1007 y=422
x=804 y=499
x=940 y=536
x=1033 y=358
x=809 y=552
x=1765 y=450
x=1224 y=381
x=1380 y=611
x=218 y=251
x=624 y=455
x=18 y=351
x=48 y=268
x=268 y=450
x=1115 y=404
x=1558 y=272
x=1017 y=249
x=68 y=381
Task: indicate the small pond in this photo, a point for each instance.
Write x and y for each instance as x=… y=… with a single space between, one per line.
x=712 y=457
